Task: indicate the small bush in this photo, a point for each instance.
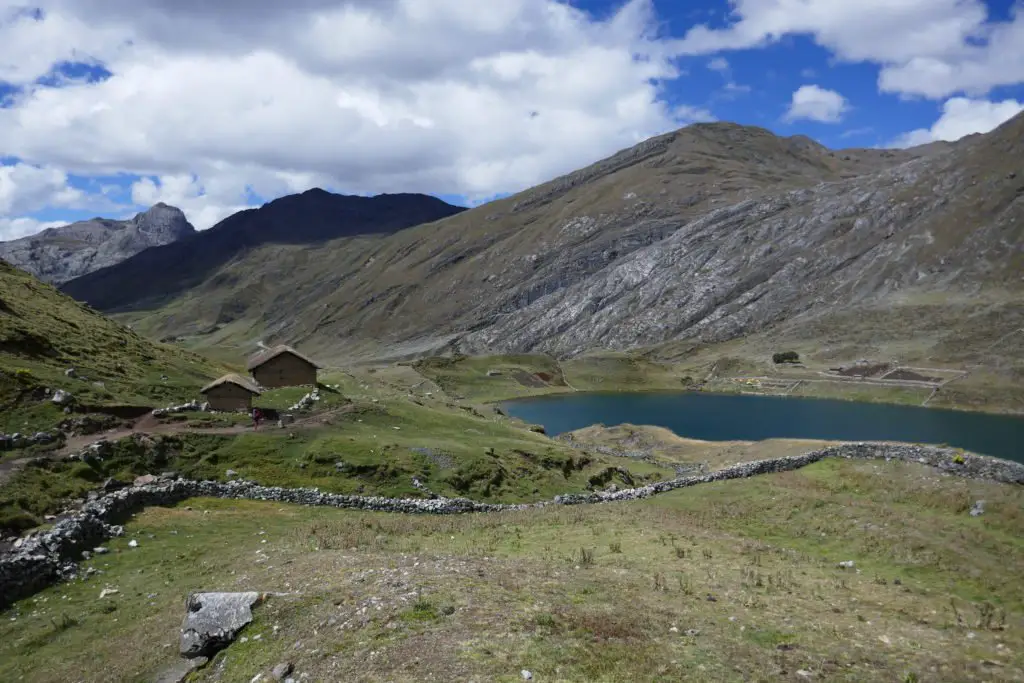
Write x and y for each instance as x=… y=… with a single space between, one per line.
x=422 y=610
x=615 y=547
x=15 y=521
x=545 y=620
x=786 y=357
x=586 y=557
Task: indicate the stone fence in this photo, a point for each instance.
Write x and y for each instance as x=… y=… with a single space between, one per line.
x=51 y=556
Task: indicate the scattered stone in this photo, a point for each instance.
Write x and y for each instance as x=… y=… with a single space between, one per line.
x=61 y=397
x=145 y=480
x=101 y=550
x=213 y=620
x=693 y=632
x=846 y=564
x=191 y=406
x=804 y=673
x=108 y=591
x=133 y=543
x=230 y=473
x=282 y=670
x=978 y=509
x=526 y=675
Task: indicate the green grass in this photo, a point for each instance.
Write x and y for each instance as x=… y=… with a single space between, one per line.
x=466 y=377
x=365 y=448
x=373 y=596
x=43 y=333
x=623 y=372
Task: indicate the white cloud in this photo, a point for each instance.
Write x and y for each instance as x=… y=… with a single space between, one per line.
x=719 y=64
x=814 y=103
x=13 y=228
x=25 y=188
x=962 y=117
x=926 y=47
x=412 y=95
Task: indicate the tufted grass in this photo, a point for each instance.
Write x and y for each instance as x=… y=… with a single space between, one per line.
x=933 y=594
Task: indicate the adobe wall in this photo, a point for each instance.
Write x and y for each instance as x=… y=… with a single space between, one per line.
x=285 y=370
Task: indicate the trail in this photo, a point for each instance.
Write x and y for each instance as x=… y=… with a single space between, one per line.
x=150 y=426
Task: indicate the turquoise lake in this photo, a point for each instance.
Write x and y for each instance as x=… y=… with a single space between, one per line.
x=727 y=417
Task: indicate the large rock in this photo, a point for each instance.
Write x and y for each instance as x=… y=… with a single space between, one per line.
x=213 y=620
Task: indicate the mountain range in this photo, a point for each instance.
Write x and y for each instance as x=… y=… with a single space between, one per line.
x=711 y=233
x=313 y=217
x=59 y=254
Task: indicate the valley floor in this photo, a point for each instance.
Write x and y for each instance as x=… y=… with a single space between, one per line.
x=731 y=581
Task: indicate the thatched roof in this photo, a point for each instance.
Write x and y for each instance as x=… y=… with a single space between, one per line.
x=232 y=378
x=264 y=356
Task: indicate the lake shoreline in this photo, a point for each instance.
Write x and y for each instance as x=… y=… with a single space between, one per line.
x=558 y=392
x=705 y=417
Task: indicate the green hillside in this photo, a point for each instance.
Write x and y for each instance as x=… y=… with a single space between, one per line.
x=50 y=341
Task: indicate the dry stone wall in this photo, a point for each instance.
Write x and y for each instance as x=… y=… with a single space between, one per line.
x=52 y=556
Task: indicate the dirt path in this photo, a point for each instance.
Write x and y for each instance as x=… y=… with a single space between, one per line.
x=148 y=424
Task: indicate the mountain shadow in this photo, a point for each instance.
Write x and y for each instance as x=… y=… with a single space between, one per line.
x=314 y=216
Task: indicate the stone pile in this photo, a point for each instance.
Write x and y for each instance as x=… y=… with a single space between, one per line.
x=47 y=557
x=14 y=441
x=191 y=406
x=307 y=401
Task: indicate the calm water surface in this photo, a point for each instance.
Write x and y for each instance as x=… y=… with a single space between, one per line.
x=726 y=417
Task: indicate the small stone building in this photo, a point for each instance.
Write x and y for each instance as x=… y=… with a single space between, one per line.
x=282 y=366
x=230 y=393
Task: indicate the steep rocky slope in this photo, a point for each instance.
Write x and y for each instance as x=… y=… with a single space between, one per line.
x=57 y=255
x=710 y=232
x=312 y=217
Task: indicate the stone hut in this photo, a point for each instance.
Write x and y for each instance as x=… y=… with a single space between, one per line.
x=230 y=393
x=283 y=366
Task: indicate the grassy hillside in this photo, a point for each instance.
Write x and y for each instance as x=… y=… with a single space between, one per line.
x=44 y=333
x=737 y=581
x=373 y=435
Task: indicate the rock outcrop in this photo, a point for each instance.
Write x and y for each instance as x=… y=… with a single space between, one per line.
x=213 y=620
x=58 y=255
x=705 y=234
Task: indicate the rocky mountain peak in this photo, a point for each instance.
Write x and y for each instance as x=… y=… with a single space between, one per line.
x=57 y=255
x=165 y=221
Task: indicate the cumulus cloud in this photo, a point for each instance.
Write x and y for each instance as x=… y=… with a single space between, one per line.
x=961 y=117
x=25 y=188
x=14 y=228
x=720 y=64
x=931 y=48
x=359 y=96
x=814 y=103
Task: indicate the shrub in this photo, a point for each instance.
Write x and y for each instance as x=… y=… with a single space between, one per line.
x=786 y=357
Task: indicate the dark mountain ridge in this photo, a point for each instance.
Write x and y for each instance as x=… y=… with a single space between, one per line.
x=308 y=218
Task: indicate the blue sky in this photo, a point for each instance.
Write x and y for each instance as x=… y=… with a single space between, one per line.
x=107 y=107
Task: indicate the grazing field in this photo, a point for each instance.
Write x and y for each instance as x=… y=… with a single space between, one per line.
x=736 y=581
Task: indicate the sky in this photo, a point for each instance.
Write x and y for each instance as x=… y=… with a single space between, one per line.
x=109 y=106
